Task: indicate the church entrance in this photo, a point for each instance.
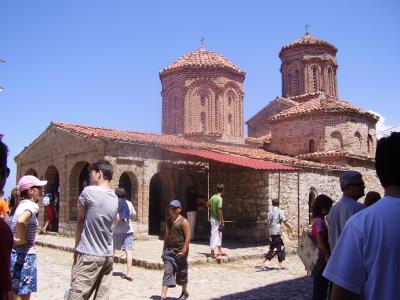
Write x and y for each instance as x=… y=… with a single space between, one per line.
x=52 y=191
x=155 y=206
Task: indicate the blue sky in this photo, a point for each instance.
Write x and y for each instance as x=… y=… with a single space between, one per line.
x=96 y=62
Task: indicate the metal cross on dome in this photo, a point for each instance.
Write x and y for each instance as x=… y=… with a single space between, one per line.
x=202 y=42
x=306 y=27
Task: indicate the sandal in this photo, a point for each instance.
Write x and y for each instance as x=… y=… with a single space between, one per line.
x=127 y=277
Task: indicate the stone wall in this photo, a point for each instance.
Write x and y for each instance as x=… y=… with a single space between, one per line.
x=328 y=131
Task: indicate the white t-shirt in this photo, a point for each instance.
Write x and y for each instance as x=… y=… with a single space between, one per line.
x=366 y=259
x=31 y=225
x=125 y=227
x=274 y=219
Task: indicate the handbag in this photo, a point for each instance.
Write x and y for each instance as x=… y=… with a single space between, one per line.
x=221 y=227
x=309 y=254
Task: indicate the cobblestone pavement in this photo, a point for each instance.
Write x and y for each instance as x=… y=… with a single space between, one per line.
x=238 y=280
x=147 y=253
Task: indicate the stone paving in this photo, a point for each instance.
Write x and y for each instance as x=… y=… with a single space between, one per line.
x=236 y=280
x=147 y=252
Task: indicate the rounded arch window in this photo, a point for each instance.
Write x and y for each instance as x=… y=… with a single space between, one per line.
x=229 y=101
x=358 y=141
x=311 y=146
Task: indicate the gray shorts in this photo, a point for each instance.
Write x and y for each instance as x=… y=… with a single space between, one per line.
x=123 y=241
x=175 y=269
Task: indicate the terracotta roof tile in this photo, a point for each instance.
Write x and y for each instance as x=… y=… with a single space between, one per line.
x=202 y=58
x=163 y=141
x=260 y=140
x=307 y=39
x=317 y=105
x=336 y=154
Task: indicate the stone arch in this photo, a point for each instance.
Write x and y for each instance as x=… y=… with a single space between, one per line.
x=129 y=182
x=53 y=187
x=78 y=180
x=31 y=171
x=358 y=140
x=311 y=197
x=201 y=90
x=173 y=110
x=337 y=135
x=331 y=82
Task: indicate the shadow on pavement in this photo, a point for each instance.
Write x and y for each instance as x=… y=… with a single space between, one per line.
x=295 y=289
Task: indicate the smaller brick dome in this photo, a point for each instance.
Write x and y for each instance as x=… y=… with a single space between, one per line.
x=307 y=40
x=201 y=58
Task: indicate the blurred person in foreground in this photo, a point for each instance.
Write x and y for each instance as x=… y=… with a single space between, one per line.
x=365 y=262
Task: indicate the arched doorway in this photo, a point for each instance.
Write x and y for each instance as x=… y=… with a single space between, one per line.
x=78 y=180
x=52 y=188
x=155 y=205
x=31 y=171
x=129 y=182
x=125 y=182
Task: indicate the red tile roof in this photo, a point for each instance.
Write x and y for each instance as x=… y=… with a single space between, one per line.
x=202 y=58
x=167 y=141
x=318 y=105
x=259 y=140
x=233 y=160
x=307 y=39
x=338 y=153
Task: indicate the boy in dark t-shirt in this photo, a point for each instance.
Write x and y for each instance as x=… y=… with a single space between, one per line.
x=175 y=251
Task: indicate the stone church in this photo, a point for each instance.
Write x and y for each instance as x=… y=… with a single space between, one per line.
x=297 y=145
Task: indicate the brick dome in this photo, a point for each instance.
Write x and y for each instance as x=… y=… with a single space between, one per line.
x=202 y=58
x=307 y=40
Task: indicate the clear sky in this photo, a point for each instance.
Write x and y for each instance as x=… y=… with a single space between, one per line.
x=96 y=62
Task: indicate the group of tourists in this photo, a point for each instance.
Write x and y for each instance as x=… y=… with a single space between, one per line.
x=358 y=244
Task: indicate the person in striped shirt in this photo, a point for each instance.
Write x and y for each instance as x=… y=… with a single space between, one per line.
x=24 y=225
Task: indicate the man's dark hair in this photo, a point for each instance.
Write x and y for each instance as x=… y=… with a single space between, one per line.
x=220 y=188
x=104 y=166
x=371 y=197
x=4 y=171
x=320 y=203
x=387 y=160
x=275 y=202
x=120 y=192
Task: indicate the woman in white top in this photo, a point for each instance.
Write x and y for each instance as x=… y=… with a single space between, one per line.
x=123 y=231
x=24 y=225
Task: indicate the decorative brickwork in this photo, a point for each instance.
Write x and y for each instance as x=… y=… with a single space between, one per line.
x=308 y=66
x=202 y=96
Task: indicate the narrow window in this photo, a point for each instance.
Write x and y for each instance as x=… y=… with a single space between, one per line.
x=311 y=146
x=315 y=79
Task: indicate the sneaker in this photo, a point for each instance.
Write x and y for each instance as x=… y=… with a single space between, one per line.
x=184 y=296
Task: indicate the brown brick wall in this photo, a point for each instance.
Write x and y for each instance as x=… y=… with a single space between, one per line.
x=200 y=101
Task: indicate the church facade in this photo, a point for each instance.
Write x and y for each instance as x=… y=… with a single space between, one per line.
x=297 y=147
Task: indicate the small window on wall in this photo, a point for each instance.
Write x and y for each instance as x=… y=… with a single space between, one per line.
x=315 y=78
x=229 y=101
x=203 y=121
x=311 y=146
x=203 y=100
